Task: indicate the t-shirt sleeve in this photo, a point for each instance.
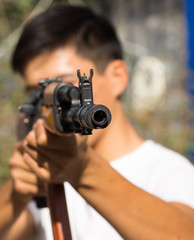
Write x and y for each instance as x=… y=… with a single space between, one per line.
x=42 y=222
x=175 y=181
x=34 y=211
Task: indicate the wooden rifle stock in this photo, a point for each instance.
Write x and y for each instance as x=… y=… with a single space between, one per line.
x=58 y=211
x=65 y=109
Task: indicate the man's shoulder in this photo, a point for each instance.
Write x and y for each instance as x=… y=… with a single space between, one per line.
x=158 y=158
x=163 y=154
x=157 y=151
x=150 y=153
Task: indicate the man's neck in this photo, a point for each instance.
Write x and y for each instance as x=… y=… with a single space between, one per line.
x=120 y=138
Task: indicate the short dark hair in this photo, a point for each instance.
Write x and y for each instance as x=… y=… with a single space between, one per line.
x=93 y=36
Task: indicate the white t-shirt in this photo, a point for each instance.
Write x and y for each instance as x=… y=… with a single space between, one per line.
x=153 y=168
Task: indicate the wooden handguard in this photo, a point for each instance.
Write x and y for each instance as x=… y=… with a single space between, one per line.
x=47 y=108
x=58 y=210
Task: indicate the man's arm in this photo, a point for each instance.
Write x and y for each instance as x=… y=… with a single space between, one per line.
x=16 y=221
x=134 y=213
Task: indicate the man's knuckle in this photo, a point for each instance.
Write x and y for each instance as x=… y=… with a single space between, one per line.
x=14 y=173
x=12 y=161
x=41 y=141
x=45 y=176
x=18 y=186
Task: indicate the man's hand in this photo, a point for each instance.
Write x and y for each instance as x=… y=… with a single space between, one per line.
x=55 y=157
x=25 y=182
x=16 y=221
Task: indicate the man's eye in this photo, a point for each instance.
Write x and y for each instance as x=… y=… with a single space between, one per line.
x=30 y=89
x=72 y=81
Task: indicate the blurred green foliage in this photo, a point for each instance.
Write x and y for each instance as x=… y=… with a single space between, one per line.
x=11 y=92
x=13 y=13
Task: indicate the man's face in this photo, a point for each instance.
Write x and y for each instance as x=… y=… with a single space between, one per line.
x=63 y=63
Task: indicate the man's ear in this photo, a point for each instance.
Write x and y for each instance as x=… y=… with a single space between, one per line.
x=119 y=76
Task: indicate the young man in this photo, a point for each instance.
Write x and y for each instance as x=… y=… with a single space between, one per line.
x=119 y=186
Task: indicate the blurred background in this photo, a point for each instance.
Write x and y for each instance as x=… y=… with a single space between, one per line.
x=155 y=38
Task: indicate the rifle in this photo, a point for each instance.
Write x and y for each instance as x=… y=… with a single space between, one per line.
x=66 y=109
